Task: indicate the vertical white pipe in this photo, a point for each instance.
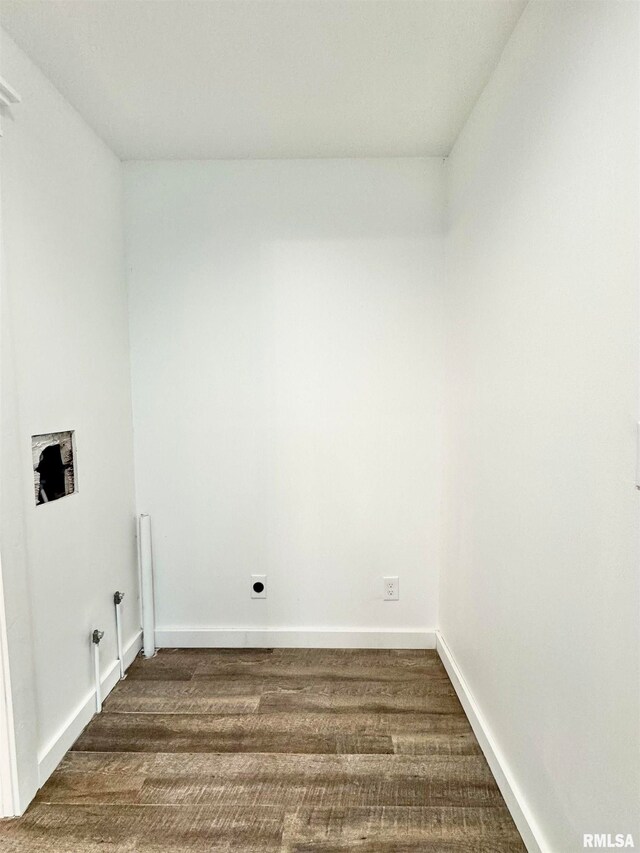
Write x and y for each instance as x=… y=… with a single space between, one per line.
x=117 y=600
x=146 y=574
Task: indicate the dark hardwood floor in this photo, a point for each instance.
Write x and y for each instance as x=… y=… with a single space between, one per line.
x=273 y=750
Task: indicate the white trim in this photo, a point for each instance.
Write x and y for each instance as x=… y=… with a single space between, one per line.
x=294 y=638
x=8 y=758
x=51 y=755
x=513 y=796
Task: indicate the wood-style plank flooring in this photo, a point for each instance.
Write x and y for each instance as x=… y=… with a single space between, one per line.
x=260 y=750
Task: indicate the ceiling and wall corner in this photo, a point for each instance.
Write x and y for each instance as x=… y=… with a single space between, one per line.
x=269 y=80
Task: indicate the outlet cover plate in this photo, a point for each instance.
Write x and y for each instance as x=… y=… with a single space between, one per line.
x=258 y=586
x=391 y=589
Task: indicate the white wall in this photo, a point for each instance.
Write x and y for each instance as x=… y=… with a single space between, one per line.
x=540 y=587
x=65 y=366
x=286 y=332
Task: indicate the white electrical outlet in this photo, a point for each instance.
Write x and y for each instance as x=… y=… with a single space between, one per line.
x=391 y=589
x=258 y=586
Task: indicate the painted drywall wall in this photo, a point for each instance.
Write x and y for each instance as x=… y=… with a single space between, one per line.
x=286 y=336
x=65 y=335
x=540 y=587
x=19 y=754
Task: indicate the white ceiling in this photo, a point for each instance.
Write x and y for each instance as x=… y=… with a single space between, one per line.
x=197 y=79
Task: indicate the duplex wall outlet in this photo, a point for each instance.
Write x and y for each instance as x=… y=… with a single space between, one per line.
x=258 y=586
x=391 y=588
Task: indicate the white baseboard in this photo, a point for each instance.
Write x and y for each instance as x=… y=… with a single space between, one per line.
x=299 y=638
x=54 y=751
x=513 y=797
